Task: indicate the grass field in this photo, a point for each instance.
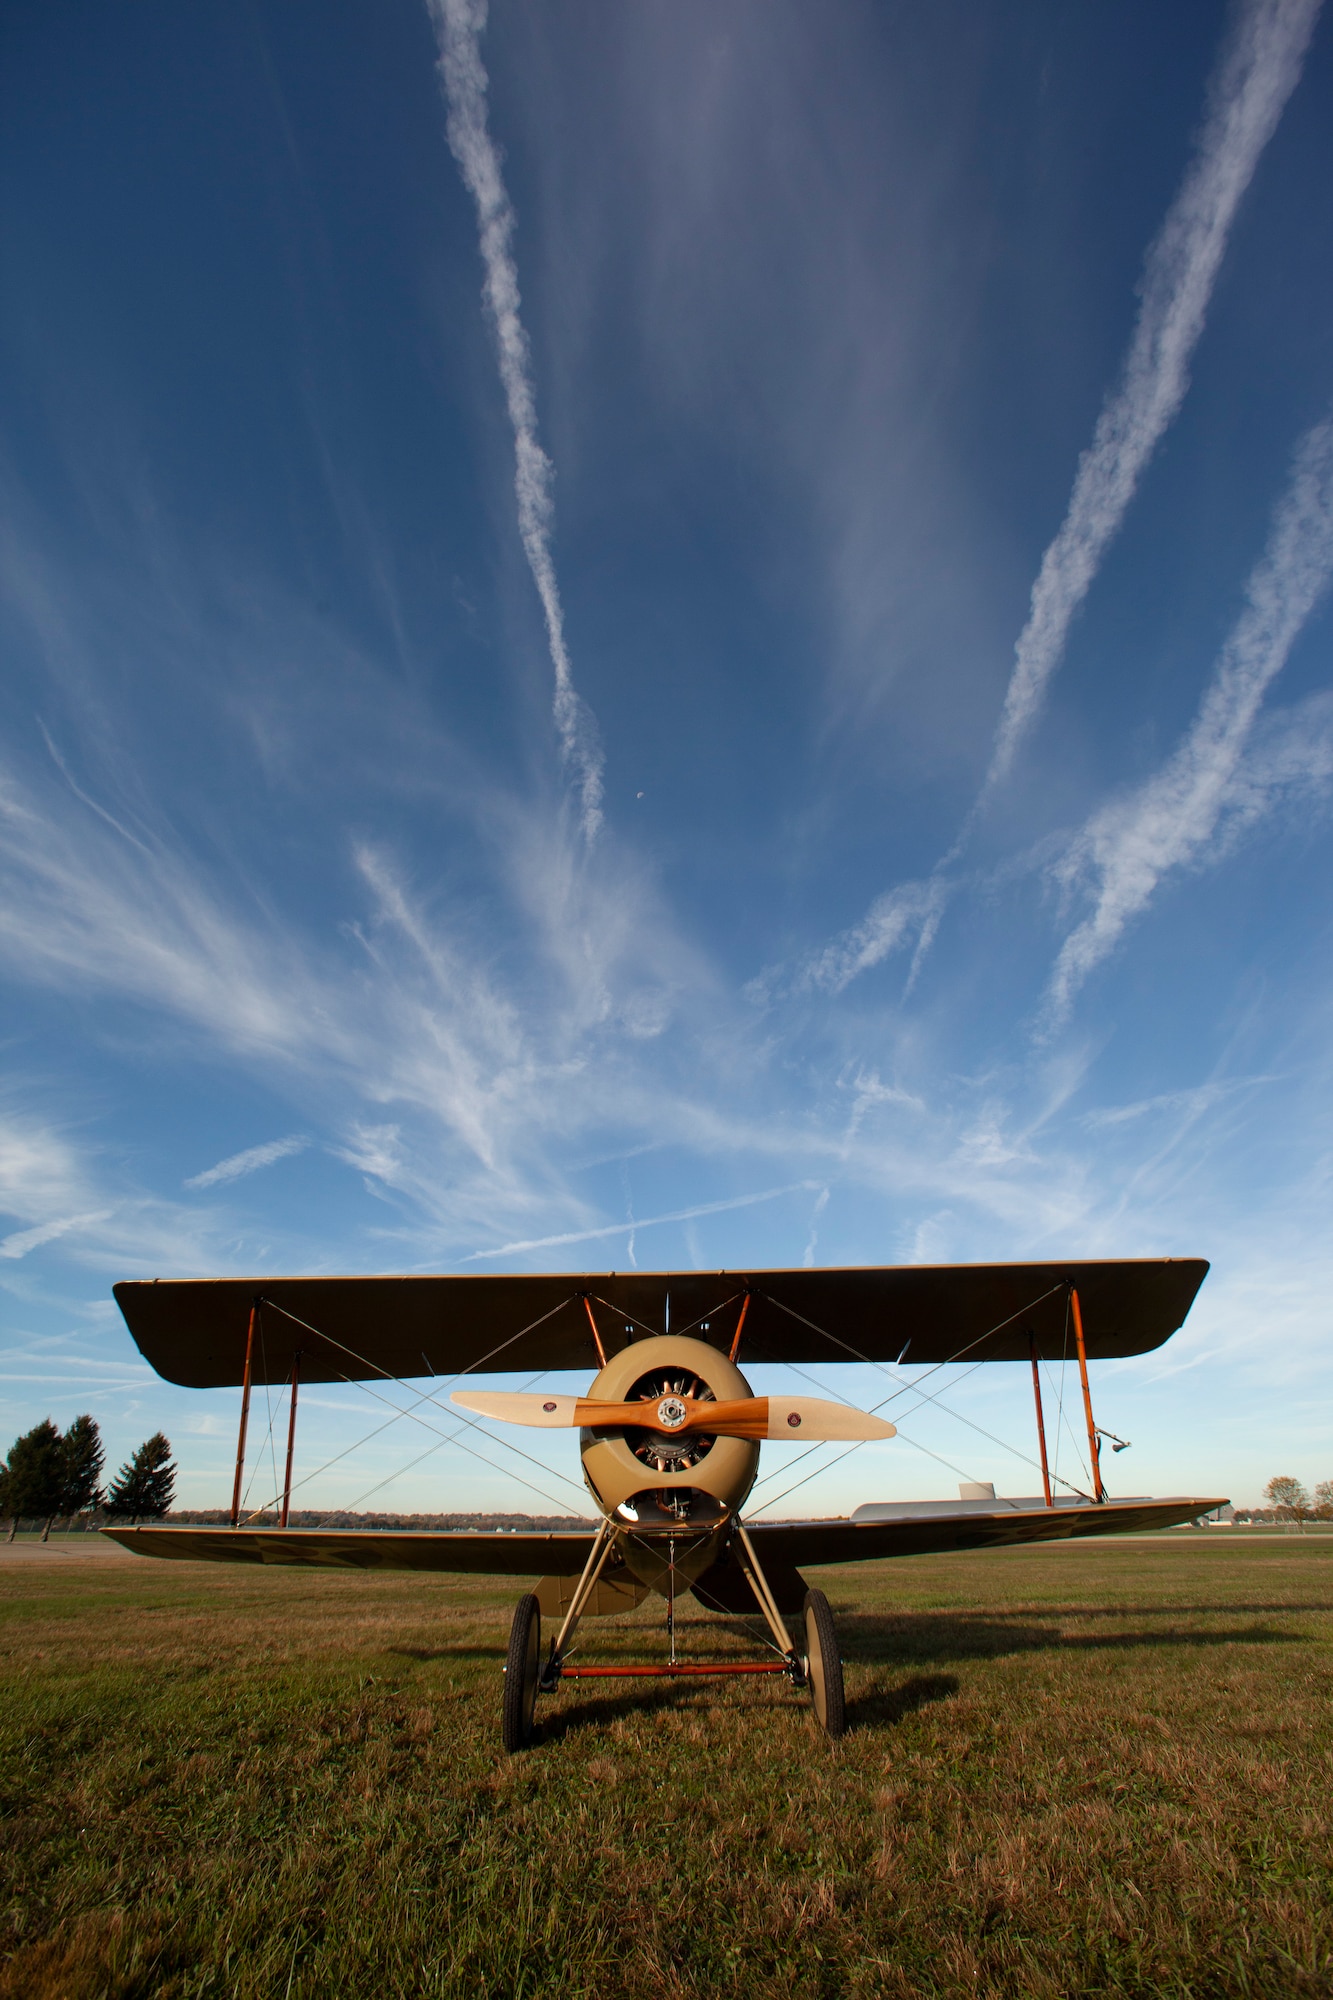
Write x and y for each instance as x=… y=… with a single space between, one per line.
x=1068 y=1771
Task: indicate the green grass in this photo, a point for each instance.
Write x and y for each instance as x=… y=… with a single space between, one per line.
x=1101 y=1771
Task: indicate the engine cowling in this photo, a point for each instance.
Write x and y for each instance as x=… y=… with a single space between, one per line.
x=649 y=1478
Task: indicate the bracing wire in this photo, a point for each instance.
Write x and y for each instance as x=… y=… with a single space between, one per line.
x=411 y=1466
x=916 y=1445
x=429 y=1452
x=935 y=1398
x=450 y=1437
x=471 y=1424
x=365 y=1362
x=909 y=1387
x=791 y=1464
x=429 y=1397
x=345 y=1453
x=949 y=1360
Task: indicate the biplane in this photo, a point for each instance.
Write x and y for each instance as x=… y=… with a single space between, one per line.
x=669 y=1428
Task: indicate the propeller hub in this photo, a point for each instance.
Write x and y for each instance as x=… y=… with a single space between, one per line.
x=671 y=1413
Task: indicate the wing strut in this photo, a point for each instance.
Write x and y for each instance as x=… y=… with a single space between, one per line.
x=245 y=1416
x=291 y=1440
x=596 y=1336
x=740 y=1326
x=1041 y=1426
x=1098 y=1490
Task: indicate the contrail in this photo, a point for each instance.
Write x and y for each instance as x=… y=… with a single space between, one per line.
x=1129 y=845
x=248 y=1162
x=646 y=1222
x=458 y=30
x=1256 y=74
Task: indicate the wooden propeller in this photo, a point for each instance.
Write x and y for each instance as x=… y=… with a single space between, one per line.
x=754 y=1417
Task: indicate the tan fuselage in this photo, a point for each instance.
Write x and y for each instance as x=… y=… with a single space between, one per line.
x=669 y=1494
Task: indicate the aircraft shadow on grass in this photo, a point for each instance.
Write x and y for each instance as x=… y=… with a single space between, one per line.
x=884 y=1707
x=879 y=1707
x=939 y=1638
x=933 y=1637
x=930 y=1639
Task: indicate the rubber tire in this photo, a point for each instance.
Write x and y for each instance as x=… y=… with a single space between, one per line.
x=823 y=1665
x=522 y=1666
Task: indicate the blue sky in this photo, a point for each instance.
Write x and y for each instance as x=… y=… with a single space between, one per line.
x=711 y=612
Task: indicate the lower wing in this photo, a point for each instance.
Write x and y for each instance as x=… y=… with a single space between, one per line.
x=812 y=1542
x=489 y=1553
x=783 y=1544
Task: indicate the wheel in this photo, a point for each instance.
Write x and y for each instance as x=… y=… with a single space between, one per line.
x=823 y=1665
x=522 y=1664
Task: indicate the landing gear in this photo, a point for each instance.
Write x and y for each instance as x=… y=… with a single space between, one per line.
x=823 y=1665
x=817 y=1666
x=522 y=1668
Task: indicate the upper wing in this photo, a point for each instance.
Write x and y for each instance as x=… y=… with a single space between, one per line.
x=194 y=1331
x=558 y=1553
x=812 y=1542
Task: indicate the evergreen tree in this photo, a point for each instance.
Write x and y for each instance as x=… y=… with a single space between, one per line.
x=146 y=1484
x=81 y=1450
x=34 y=1476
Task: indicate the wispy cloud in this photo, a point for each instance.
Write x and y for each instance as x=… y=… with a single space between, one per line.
x=907 y=915
x=459 y=25
x=1202 y=1098
x=60 y=1190
x=248 y=1162
x=1128 y=846
x=449 y=1070
x=812 y=1240
x=1256 y=74
x=24 y=1240
x=646 y=1222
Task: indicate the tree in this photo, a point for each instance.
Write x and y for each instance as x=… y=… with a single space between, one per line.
x=1289 y=1499
x=1323 y=1500
x=82 y=1456
x=34 y=1477
x=145 y=1484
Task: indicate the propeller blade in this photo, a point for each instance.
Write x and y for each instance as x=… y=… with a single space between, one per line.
x=815 y=1418
x=754 y=1417
x=512 y=1406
